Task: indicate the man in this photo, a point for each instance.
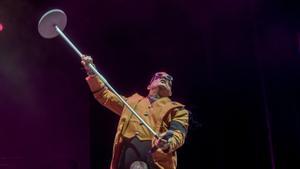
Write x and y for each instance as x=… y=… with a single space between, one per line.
x=134 y=146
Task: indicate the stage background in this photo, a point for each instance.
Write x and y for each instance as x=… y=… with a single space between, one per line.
x=236 y=66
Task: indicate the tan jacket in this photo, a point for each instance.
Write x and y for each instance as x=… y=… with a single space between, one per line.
x=159 y=115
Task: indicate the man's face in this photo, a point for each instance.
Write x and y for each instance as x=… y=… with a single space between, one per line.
x=163 y=82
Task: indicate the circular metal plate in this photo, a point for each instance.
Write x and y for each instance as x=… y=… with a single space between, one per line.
x=138 y=165
x=49 y=20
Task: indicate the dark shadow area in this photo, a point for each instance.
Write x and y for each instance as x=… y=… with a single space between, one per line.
x=236 y=66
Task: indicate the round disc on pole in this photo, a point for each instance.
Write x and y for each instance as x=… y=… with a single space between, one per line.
x=49 y=20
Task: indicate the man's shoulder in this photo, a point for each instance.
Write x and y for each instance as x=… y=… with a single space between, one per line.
x=135 y=96
x=177 y=104
x=174 y=105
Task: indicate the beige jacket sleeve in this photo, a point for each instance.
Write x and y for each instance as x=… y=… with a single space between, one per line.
x=104 y=96
x=179 y=126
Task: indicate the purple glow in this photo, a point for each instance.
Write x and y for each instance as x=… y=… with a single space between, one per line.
x=1 y=27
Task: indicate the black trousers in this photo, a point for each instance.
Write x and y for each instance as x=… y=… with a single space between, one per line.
x=135 y=150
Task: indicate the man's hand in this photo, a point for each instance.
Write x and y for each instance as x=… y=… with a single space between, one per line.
x=162 y=144
x=85 y=61
x=163 y=141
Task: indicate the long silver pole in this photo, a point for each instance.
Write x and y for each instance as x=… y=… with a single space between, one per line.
x=67 y=40
x=106 y=83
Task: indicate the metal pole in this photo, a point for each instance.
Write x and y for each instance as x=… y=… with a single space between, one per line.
x=106 y=83
x=67 y=40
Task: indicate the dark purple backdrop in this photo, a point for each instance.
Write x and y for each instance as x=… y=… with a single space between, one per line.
x=236 y=66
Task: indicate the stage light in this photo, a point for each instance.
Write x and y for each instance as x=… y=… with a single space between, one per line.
x=1 y=27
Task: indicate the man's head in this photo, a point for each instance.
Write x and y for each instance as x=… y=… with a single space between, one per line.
x=161 y=83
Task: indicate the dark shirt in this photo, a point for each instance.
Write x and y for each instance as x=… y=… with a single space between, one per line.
x=135 y=150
